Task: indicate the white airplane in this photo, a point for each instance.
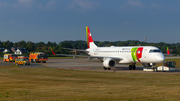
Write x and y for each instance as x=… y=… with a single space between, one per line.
x=110 y=56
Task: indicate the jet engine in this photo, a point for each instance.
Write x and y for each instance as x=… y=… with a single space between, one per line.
x=148 y=64
x=109 y=63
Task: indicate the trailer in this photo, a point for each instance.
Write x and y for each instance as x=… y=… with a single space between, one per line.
x=165 y=69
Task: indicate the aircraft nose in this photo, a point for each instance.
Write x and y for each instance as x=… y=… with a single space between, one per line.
x=160 y=58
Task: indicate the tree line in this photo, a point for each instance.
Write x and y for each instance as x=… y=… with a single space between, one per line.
x=58 y=48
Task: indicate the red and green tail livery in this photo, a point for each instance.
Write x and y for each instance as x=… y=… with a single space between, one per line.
x=168 y=51
x=52 y=51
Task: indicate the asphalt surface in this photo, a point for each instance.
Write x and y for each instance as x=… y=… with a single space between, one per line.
x=84 y=64
x=94 y=65
x=33 y=65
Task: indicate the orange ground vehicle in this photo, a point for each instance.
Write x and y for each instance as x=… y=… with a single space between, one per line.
x=38 y=57
x=9 y=57
x=22 y=57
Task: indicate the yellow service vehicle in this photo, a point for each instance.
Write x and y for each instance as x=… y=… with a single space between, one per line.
x=22 y=62
x=9 y=57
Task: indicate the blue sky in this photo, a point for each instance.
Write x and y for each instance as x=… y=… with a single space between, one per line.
x=109 y=20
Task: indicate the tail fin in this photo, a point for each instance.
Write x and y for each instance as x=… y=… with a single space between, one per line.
x=52 y=51
x=90 y=42
x=168 y=51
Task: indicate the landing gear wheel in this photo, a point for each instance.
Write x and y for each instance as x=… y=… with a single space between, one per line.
x=130 y=67
x=133 y=67
x=155 y=70
x=105 y=68
x=109 y=68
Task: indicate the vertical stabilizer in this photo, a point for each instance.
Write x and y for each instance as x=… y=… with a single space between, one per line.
x=90 y=42
x=168 y=51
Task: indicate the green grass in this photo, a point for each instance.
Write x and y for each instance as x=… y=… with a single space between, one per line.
x=40 y=84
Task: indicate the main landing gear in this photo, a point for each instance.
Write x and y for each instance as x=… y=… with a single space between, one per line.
x=132 y=67
x=107 y=68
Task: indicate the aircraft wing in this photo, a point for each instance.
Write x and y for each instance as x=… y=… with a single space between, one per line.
x=72 y=55
x=101 y=57
x=80 y=50
x=91 y=57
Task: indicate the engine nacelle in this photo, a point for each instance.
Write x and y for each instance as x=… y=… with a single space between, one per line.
x=109 y=63
x=148 y=64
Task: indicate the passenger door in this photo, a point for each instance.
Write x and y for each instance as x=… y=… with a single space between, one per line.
x=145 y=53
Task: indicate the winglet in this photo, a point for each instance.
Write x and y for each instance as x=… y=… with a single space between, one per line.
x=90 y=42
x=52 y=51
x=168 y=51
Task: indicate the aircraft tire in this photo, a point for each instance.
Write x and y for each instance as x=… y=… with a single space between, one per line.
x=133 y=67
x=130 y=67
x=109 y=68
x=155 y=70
x=105 y=68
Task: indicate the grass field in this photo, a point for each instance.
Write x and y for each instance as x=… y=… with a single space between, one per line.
x=40 y=84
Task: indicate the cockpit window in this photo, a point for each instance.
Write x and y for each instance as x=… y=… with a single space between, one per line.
x=154 y=51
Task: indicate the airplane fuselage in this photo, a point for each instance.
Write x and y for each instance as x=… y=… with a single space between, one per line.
x=133 y=54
